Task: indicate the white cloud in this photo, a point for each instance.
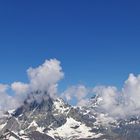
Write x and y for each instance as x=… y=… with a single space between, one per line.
x=19 y=87
x=83 y=102
x=79 y=92
x=118 y=103
x=109 y=100
x=3 y=88
x=108 y=94
x=121 y=103
x=7 y=102
x=43 y=78
x=46 y=76
x=131 y=89
x=131 y=93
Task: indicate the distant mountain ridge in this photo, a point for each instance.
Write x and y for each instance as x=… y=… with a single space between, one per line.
x=53 y=119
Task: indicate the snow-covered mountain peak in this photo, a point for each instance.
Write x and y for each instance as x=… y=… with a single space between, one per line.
x=53 y=119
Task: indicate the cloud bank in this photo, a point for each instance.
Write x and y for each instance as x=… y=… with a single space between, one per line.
x=117 y=103
x=45 y=78
x=121 y=103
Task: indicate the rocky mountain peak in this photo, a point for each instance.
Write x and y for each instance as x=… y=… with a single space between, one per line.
x=44 y=118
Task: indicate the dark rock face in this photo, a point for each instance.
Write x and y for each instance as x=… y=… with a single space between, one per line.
x=39 y=136
x=53 y=119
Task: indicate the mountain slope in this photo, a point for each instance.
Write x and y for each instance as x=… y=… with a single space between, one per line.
x=53 y=119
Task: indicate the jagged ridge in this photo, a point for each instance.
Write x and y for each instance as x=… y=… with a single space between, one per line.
x=53 y=119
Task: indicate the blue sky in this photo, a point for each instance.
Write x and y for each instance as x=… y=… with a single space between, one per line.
x=97 y=42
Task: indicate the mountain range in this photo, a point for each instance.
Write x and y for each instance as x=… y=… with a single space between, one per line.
x=54 y=119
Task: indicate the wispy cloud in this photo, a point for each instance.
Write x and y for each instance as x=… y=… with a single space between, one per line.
x=79 y=92
x=7 y=101
x=19 y=88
